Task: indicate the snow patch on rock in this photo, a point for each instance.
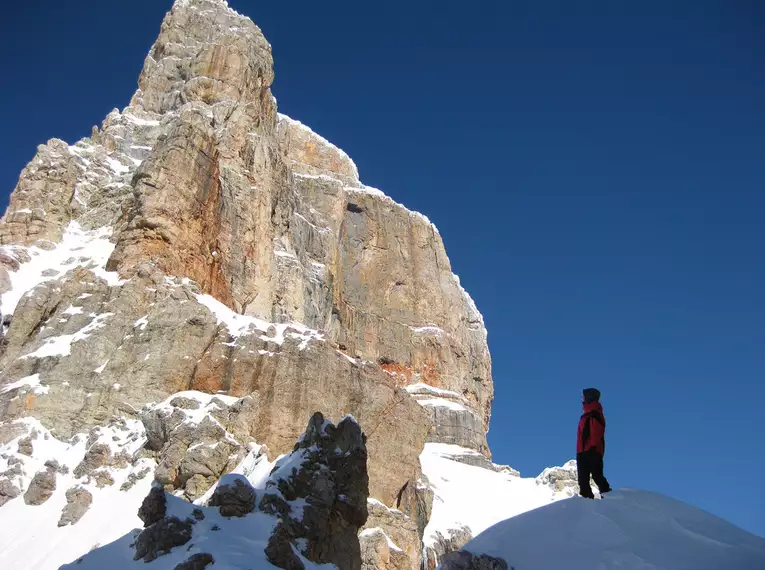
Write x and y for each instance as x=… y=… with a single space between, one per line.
x=78 y=248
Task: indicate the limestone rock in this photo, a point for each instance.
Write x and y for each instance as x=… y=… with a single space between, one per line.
x=379 y=552
x=197 y=561
x=41 y=488
x=324 y=484
x=198 y=241
x=8 y=491
x=98 y=455
x=78 y=501
x=201 y=188
x=234 y=497
x=461 y=560
x=153 y=507
x=40 y=203
x=309 y=153
x=455 y=539
x=191 y=455
x=55 y=466
x=395 y=528
x=133 y=478
x=102 y=478
x=562 y=479
x=161 y=537
x=416 y=501
x=25 y=446
x=280 y=550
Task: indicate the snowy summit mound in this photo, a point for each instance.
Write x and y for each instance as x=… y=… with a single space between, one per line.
x=629 y=530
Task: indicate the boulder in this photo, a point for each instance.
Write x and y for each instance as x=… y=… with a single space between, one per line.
x=161 y=537
x=234 y=496
x=325 y=486
x=8 y=491
x=78 y=501
x=443 y=545
x=386 y=527
x=197 y=561
x=97 y=455
x=461 y=560
x=41 y=488
x=153 y=507
x=25 y=446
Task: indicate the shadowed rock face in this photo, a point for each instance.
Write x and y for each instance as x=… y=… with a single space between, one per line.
x=467 y=561
x=320 y=492
x=199 y=240
x=316 y=496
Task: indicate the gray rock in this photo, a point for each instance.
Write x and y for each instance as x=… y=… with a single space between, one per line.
x=54 y=465
x=377 y=554
x=102 y=478
x=234 y=497
x=197 y=485
x=133 y=478
x=184 y=403
x=457 y=427
x=562 y=479
x=462 y=560
x=456 y=539
x=370 y=274
x=155 y=424
x=416 y=501
x=279 y=549
x=196 y=562
x=41 y=488
x=327 y=474
x=402 y=530
x=161 y=537
x=209 y=461
x=25 y=446
x=8 y=491
x=153 y=507
x=78 y=501
x=97 y=455
x=10 y=431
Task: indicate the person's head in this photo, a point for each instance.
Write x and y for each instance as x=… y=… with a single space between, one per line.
x=590 y=395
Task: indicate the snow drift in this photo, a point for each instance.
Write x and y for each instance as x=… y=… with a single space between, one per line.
x=628 y=530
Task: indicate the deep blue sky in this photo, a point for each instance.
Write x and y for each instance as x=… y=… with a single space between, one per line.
x=597 y=171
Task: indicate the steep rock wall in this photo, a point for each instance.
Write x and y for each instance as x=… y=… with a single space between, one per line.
x=199 y=240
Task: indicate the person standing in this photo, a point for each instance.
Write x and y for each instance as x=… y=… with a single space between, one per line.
x=591 y=445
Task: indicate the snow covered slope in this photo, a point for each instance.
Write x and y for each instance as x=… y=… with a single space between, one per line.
x=628 y=530
x=86 y=491
x=470 y=494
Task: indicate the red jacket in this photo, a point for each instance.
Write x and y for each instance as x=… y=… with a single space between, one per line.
x=592 y=429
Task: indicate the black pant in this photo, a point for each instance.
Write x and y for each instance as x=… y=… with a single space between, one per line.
x=590 y=463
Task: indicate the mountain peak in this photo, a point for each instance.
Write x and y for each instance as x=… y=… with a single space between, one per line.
x=197 y=277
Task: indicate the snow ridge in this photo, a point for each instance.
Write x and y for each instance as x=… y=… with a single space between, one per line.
x=629 y=529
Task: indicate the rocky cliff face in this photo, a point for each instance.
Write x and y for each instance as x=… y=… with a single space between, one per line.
x=200 y=241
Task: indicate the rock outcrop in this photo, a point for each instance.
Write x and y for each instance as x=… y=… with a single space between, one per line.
x=234 y=499
x=310 y=509
x=320 y=492
x=562 y=479
x=390 y=539
x=78 y=501
x=461 y=560
x=41 y=488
